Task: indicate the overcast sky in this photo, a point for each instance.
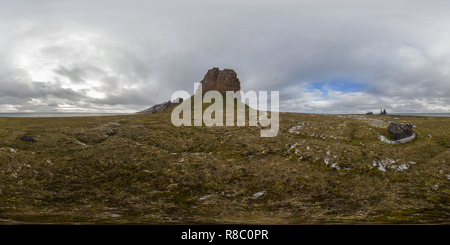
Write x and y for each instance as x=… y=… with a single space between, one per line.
x=350 y=56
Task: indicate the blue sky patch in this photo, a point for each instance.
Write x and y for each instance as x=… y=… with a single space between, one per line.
x=336 y=85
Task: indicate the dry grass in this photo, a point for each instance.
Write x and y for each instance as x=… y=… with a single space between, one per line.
x=140 y=168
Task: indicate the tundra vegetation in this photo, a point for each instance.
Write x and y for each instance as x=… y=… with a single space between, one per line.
x=142 y=169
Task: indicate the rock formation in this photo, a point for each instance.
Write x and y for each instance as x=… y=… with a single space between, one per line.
x=161 y=107
x=400 y=131
x=221 y=81
x=215 y=79
x=383 y=112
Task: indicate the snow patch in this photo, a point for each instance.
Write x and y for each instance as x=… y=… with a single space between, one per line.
x=389 y=163
x=404 y=140
x=258 y=194
x=402 y=167
x=294 y=129
x=292 y=146
x=205 y=197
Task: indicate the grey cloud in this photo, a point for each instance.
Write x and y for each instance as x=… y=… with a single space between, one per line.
x=137 y=53
x=79 y=74
x=45 y=90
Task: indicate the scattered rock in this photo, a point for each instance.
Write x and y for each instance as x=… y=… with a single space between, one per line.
x=400 y=131
x=26 y=138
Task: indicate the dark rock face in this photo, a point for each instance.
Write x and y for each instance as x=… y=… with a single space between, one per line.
x=161 y=107
x=155 y=108
x=220 y=81
x=27 y=139
x=400 y=131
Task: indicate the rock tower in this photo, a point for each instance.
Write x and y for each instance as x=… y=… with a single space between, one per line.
x=221 y=81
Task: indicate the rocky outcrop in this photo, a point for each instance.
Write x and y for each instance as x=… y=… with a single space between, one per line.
x=383 y=112
x=221 y=81
x=161 y=107
x=214 y=80
x=400 y=131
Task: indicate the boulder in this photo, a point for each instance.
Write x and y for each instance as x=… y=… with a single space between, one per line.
x=26 y=138
x=400 y=131
x=221 y=81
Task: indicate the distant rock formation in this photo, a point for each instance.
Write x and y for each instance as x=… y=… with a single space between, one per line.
x=400 y=131
x=369 y=113
x=220 y=81
x=161 y=107
x=383 y=112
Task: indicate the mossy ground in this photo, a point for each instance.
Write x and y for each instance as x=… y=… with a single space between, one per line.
x=142 y=169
